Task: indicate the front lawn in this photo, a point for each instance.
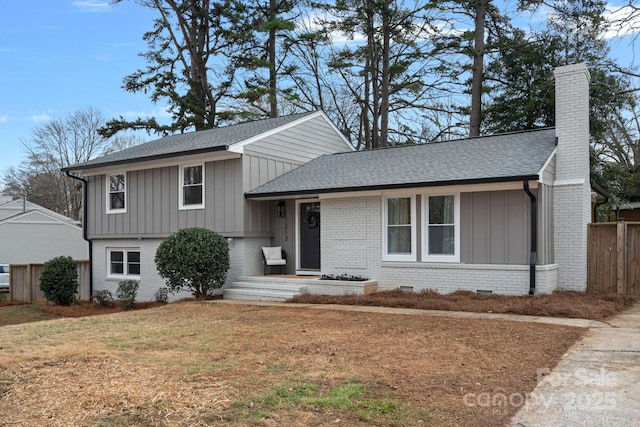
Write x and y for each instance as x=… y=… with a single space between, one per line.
x=197 y=363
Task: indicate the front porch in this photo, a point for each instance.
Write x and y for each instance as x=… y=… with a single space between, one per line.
x=284 y=287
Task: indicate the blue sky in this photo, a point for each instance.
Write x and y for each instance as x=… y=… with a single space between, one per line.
x=59 y=56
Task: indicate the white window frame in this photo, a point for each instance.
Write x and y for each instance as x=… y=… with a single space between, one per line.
x=110 y=210
x=386 y=256
x=125 y=263
x=426 y=257
x=181 y=204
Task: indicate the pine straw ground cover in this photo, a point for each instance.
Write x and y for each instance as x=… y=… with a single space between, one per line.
x=200 y=363
x=583 y=305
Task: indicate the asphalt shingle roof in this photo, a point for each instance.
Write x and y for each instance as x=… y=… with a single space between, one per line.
x=192 y=142
x=499 y=158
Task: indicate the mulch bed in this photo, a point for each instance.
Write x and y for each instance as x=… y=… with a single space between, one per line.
x=558 y=304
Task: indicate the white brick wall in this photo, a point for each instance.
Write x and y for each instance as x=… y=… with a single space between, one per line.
x=572 y=190
x=447 y=278
x=572 y=122
x=245 y=259
x=351 y=240
x=351 y=244
x=150 y=280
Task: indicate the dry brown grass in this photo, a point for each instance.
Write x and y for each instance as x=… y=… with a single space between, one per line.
x=559 y=304
x=200 y=363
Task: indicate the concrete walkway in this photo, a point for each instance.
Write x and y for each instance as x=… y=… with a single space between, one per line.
x=596 y=383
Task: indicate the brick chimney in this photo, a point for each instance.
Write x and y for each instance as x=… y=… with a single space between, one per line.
x=571 y=188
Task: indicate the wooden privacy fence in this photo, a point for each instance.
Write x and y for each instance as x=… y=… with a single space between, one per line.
x=24 y=282
x=614 y=258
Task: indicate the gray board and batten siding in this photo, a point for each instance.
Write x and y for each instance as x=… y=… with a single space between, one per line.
x=152 y=192
x=494 y=228
x=152 y=203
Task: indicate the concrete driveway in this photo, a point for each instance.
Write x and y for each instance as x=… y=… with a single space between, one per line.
x=597 y=383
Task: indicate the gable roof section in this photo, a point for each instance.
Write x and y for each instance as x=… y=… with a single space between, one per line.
x=42 y=217
x=499 y=158
x=217 y=139
x=18 y=207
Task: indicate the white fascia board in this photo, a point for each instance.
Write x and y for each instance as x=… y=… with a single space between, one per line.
x=238 y=147
x=161 y=163
x=441 y=189
x=546 y=164
x=335 y=128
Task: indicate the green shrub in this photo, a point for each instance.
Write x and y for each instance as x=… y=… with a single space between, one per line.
x=126 y=293
x=59 y=280
x=102 y=298
x=162 y=295
x=195 y=259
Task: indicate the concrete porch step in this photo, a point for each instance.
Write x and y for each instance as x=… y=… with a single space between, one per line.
x=260 y=291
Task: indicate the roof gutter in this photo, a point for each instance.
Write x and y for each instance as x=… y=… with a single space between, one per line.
x=144 y=159
x=85 y=234
x=533 y=255
x=317 y=191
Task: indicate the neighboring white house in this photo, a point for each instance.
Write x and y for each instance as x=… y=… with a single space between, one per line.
x=502 y=213
x=31 y=234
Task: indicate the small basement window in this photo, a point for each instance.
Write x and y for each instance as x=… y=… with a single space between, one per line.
x=124 y=263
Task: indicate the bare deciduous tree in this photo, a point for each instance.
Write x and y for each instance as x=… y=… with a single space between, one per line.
x=53 y=145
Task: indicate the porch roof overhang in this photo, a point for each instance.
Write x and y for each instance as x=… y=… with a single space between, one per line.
x=311 y=193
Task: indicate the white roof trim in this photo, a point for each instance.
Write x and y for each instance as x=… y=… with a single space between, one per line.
x=54 y=219
x=541 y=171
x=238 y=147
x=174 y=161
x=37 y=208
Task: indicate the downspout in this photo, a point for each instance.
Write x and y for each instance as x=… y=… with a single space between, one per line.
x=604 y=194
x=85 y=234
x=534 y=239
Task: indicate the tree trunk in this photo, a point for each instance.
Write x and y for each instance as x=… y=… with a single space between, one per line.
x=273 y=102
x=478 y=60
x=372 y=72
x=384 y=89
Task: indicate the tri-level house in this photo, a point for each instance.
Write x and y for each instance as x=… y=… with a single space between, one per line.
x=503 y=213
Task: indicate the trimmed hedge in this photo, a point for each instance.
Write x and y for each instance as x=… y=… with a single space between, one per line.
x=194 y=259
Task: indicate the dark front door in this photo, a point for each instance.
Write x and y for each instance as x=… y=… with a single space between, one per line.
x=309 y=236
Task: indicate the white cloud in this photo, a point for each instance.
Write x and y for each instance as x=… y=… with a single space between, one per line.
x=4 y=119
x=92 y=5
x=157 y=113
x=40 y=117
x=624 y=21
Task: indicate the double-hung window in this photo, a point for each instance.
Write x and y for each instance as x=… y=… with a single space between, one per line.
x=124 y=263
x=192 y=187
x=116 y=193
x=399 y=229
x=441 y=228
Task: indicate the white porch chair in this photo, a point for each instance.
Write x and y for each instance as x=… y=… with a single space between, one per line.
x=274 y=256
